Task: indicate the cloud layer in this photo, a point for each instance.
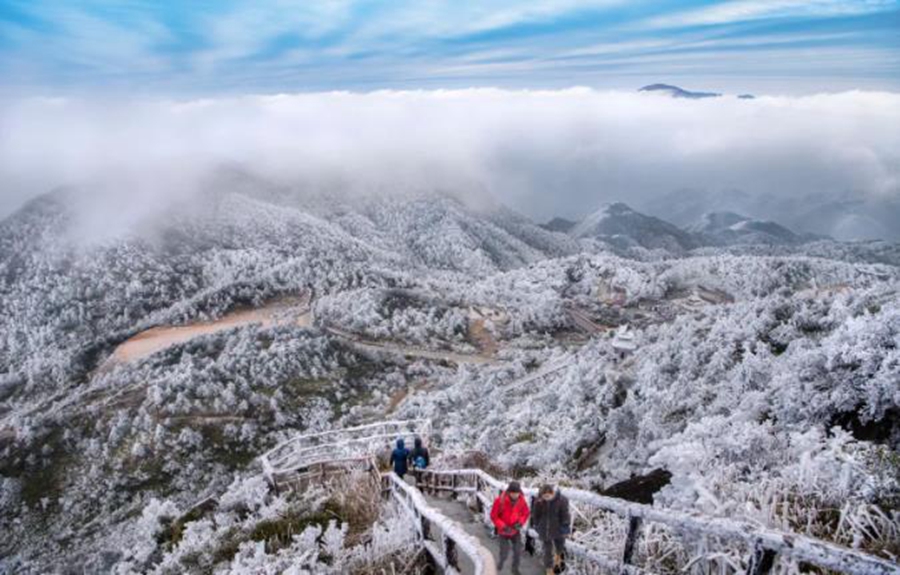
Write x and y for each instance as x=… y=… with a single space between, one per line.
x=545 y=153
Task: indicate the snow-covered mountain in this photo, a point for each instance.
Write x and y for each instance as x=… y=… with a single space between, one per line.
x=559 y=225
x=619 y=225
x=676 y=92
x=637 y=235
x=727 y=228
x=760 y=373
x=846 y=217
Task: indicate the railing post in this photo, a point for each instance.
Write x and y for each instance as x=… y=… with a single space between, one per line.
x=426 y=528
x=529 y=540
x=479 y=506
x=634 y=531
x=450 y=553
x=453 y=486
x=761 y=561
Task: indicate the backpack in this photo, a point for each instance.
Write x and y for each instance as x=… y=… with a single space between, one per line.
x=419 y=462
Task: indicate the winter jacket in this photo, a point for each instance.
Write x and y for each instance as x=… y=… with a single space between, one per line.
x=399 y=458
x=419 y=451
x=551 y=519
x=506 y=515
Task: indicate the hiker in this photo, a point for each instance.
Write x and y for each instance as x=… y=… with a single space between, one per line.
x=550 y=518
x=399 y=458
x=509 y=515
x=419 y=457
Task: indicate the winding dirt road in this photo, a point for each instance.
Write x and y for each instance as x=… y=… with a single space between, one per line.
x=146 y=343
x=282 y=312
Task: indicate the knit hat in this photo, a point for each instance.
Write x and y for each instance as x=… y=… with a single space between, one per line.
x=514 y=487
x=545 y=488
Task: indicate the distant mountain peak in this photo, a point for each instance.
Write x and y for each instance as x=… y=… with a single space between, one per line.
x=716 y=221
x=605 y=212
x=676 y=92
x=616 y=209
x=724 y=228
x=558 y=224
x=619 y=223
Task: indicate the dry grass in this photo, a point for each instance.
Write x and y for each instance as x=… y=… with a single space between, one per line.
x=415 y=563
x=474 y=460
x=396 y=399
x=355 y=499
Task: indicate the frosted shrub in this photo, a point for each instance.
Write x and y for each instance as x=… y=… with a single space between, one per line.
x=420 y=318
x=248 y=493
x=146 y=529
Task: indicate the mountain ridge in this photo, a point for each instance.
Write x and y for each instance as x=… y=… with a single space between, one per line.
x=676 y=92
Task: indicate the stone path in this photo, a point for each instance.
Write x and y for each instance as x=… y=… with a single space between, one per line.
x=457 y=511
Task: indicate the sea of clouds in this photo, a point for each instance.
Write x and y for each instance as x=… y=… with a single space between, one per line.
x=545 y=153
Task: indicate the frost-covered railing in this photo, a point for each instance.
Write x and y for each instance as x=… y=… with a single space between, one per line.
x=311 y=449
x=442 y=537
x=544 y=371
x=766 y=544
x=322 y=471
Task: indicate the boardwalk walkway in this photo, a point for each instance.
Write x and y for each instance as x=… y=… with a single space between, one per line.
x=605 y=533
x=457 y=511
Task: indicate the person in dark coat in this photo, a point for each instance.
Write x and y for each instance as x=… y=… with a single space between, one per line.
x=551 y=519
x=399 y=458
x=419 y=456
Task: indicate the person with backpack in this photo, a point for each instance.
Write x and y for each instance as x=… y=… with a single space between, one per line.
x=510 y=515
x=400 y=458
x=419 y=457
x=551 y=519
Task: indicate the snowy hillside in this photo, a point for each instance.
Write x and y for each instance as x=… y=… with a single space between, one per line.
x=727 y=228
x=636 y=235
x=620 y=225
x=840 y=216
x=763 y=372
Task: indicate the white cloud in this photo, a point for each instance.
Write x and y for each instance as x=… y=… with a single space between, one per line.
x=744 y=10
x=443 y=18
x=543 y=152
x=83 y=41
x=247 y=29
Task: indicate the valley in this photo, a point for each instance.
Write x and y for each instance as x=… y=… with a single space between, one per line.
x=150 y=375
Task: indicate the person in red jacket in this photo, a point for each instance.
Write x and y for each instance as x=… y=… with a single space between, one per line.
x=510 y=514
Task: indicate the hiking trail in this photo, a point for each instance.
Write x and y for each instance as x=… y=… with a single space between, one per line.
x=450 y=510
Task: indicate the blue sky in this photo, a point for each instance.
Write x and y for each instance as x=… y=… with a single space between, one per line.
x=212 y=47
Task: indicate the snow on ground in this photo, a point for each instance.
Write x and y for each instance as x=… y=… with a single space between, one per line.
x=776 y=400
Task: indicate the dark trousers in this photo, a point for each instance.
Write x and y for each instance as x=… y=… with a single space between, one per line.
x=514 y=544
x=550 y=546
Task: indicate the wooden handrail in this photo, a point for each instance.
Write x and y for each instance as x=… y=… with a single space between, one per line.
x=454 y=537
x=382 y=428
x=362 y=441
x=762 y=540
